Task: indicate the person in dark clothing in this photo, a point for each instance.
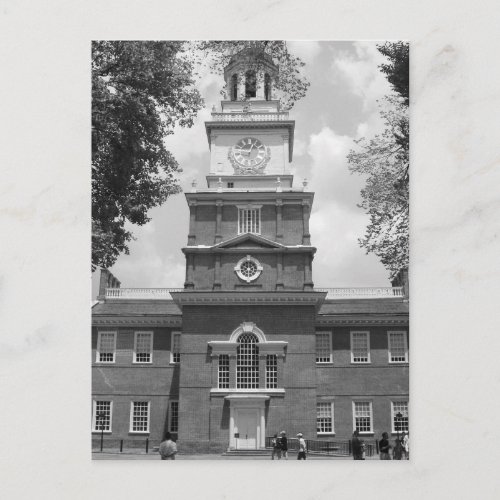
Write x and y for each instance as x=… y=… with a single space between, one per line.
x=357 y=446
x=384 y=447
x=284 y=445
x=276 y=444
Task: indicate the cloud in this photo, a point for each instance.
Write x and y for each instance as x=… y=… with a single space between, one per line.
x=360 y=72
x=307 y=51
x=330 y=176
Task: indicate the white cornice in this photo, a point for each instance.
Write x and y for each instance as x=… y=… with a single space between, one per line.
x=274 y=298
x=353 y=320
x=237 y=196
x=137 y=321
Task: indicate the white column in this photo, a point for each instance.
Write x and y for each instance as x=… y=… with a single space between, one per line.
x=232 y=443
x=262 y=443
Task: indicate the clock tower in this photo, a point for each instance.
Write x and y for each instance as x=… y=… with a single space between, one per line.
x=249 y=228
x=248 y=304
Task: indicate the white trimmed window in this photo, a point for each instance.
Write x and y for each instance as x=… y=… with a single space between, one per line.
x=249 y=220
x=360 y=347
x=362 y=416
x=399 y=424
x=271 y=371
x=175 y=351
x=398 y=347
x=139 y=416
x=324 y=418
x=223 y=379
x=143 y=347
x=247 y=362
x=102 y=414
x=324 y=347
x=173 y=417
x=248 y=268
x=106 y=347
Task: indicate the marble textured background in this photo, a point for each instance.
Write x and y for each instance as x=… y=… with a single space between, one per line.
x=45 y=227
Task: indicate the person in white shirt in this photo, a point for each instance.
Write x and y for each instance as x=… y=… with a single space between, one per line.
x=302 y=447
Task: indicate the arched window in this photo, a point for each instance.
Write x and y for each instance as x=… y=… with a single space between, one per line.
x=234 y=87
x=267 y=87
x=250 y=84
x=247 y=362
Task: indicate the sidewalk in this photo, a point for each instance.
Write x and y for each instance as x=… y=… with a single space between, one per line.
x=96 y=455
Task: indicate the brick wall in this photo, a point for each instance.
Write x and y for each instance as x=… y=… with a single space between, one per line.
x=204 y=421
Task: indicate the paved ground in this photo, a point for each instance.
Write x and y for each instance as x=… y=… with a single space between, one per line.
x=154 y=456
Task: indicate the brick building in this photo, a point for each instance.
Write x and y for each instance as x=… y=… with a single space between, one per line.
x=248 y=347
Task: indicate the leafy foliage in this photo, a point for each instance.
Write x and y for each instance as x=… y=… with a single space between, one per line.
x=397 y=70
x=291 y=84
x=140 y=90
x=384 y=160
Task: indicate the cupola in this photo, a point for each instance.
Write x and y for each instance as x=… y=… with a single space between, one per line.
x=250 y=75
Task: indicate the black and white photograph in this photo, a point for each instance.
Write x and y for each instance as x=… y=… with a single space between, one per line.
x=209 y=244
x=250 y=219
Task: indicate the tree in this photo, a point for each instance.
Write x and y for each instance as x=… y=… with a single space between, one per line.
x=384 y=160
x=397 y=70
x=140 y=91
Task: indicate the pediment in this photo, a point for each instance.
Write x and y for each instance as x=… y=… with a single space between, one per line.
x=248 y=240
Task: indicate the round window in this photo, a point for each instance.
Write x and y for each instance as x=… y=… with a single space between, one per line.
x=248 y=269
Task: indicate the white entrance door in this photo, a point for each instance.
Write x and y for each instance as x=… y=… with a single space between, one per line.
x=247 y=423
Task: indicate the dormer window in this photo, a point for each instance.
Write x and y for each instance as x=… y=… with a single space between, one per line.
x=234 y=87
x=267 y=87
x=250 y=84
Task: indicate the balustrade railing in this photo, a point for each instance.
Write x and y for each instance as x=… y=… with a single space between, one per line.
x=332 y=293
x=141 y=293
x=250 y=117
x=363 y=292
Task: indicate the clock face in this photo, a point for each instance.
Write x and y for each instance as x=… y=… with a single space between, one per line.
x=249 y=152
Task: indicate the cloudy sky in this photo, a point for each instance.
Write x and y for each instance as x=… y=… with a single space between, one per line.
x=340 y=106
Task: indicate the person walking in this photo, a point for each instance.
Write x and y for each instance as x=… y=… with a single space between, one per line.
x=168 y=448
x=302 y=447
x=284 y=445
x=405 y=441
x=357 y=446
x=276 y=444
x=384 y=447
x=397 y=451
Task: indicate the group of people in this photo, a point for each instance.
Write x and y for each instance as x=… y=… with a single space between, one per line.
x=400 y=450
x=280 y=446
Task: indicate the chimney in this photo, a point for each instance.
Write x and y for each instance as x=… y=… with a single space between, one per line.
x=107 y=280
